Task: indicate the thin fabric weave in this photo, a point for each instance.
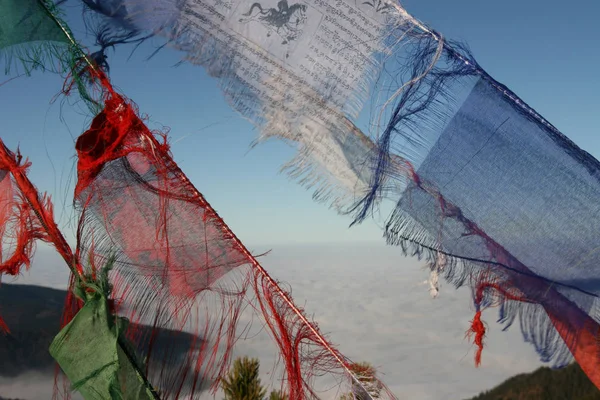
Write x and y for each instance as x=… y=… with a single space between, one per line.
x=478 y=183
x=169 y=250
x=178 y=269
x=168 y=314
x=32 y=25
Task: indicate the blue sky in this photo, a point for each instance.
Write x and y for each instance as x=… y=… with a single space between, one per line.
x=545 y=51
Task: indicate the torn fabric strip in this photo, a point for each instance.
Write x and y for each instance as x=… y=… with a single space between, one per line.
x=25 y=216
x=178 y=267
x=482 y=185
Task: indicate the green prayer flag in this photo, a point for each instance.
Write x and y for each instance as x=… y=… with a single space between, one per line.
x=29 y=34
x=23 y=21
x=33 y=36
x=93 y=352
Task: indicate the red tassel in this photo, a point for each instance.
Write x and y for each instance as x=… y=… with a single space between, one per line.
x=478 y=329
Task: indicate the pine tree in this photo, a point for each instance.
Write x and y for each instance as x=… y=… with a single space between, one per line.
x=242 y=381
x=278 y=395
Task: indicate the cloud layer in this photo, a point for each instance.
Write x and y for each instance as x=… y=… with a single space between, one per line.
x=372 y=303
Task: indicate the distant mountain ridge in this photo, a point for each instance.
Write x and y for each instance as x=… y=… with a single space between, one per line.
x=569 y=383
x=33 y=314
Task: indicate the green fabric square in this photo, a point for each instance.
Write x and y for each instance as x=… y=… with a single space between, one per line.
x=24 y=21
x=89 y=353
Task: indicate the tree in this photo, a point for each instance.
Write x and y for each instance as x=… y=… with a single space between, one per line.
x=242 y=382
x=278 y=395
x=371 y=387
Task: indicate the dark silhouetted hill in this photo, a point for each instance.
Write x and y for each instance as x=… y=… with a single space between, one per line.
x=569 y=383
x=33 y=314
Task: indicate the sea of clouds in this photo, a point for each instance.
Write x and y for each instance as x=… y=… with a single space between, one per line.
x=373 y=304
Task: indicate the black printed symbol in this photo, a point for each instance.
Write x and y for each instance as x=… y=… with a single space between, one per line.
x=380 y=6
x=285 y=20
